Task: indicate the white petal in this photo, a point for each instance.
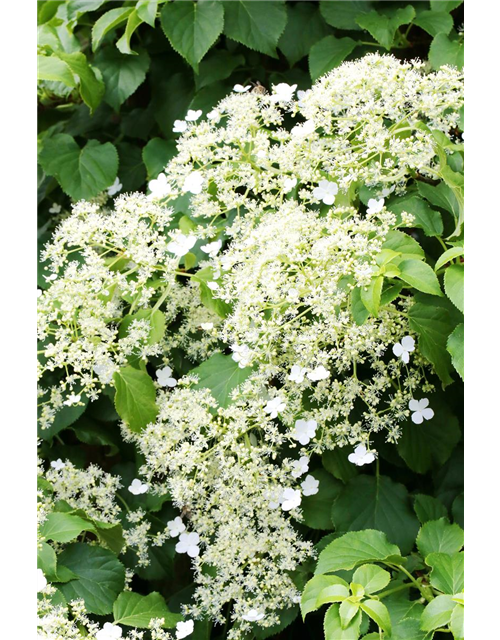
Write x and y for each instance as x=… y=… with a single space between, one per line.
x=423 y=403
x=408 y=343
x=417 y=417
x=413 y=405
x=397 y=350
x=405 y=357
x=428 y=414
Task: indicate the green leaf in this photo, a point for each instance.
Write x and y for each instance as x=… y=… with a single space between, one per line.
x=172 y=95
x=335 y=461
x=425 y=217
x=445 y=5
x=437 y=613
x=135 y=398
x=378 y=612
x=332 y=593
x=429 y=508
x=134 y=610
x=454 y=285
x=122 y=74
x=123 y=43
x=156 y=320
x=457 y=510
x=107 y=22
x=329 y=53
x=433 y=325
x=132 y=170
x=429 y=444
x=356 y=548
x=304 y=28
x=146 y=10
x=219 y=65
x=90 y=86
x=440 y=196
x=101 y=577
x=47 y=560
x=371 y=577
x=419 y=275
x=192 y=27
x=75 y=8
x=63 y=527
x=434 y=22
x=257 y=25
x=53 y=69
x=455 y=347
x=82 y=173
x=221 y=374
x=368 y=502
x=65 y=417
x=370 y=295
x=401 y=242
x=110 y=534
x=343 y=14
x=439 y=536
x=447 y=256
x=333 y=625
x=457 y=622
x=261 y=633
x=347 y=611
x=443 y=51
x=316 y=509
x=447 y=573
x=216 y=305
x=358 y=310
x=156 y=155
x=312 y=590
x=383 y=28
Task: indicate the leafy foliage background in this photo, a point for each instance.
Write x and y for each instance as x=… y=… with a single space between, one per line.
x=113 y=78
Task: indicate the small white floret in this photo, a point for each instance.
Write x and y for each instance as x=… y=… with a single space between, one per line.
x=109 y=632
x=57 y=464
x=193 y=115
x=320 y=373
x=115 y=187
x=310 y=486
x=181 y=244
x=41 y=580
x=239 y=88
x=326 y=191
x=179 y=126
x=212 y=248
x=160 y=187
x=72 y=399
x=300 y=467
x=164 y=377
x=290 y=499
x=253 y=615
x=402 y=349
x=193 y=183
x=297 y=373
x=188 y=543
x=283 y=92
x=274 y=406
x=137 y=487
x=361 y=456
x=304 y=431
x=375 y=206
x=421 y=410
x=176 y=527
x=183 y=629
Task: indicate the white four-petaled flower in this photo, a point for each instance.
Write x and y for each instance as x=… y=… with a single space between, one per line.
x=164 y=377
x=402 y=349
x=41 y=580
x=193 y=182
x=283 y=92
x=115 y=187
x=109 y=632
x=137 y=487
x=326 y=191
x=274 y=406
x=361 y=456
x=289 y=184
x=300 y=467
x=160 y=187
x=252 y=615
x=57 y=464
x=72 y=399
x=239 y=88
x=55 y=208
x=421 y=410
x=179 y=126
x=310 y=486
x=241 y=355
x=212 y=248
x=176 y=527
x=181 y=244
x=304 y=431
x=320 y=373
x=193 y=115
x=214 y=115
x=297 y=373
x=290 y=499
x=183 y=629
x=188 y=543
x=375 y=206
x=206 y=326
x=303 y=129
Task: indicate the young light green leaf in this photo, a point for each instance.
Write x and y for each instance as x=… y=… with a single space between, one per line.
x=82 y=173
x=107 y=22
x=358 y=310
x=347 y=611
x=383 y=27
x=372 y=577
x=100 y=577
x=454 y=285
x=439 y=536
x=257 y=25
x=221 y=374
x=455 y=347
x=437 y=613
x=445 y=5
x=47 y=560
x=123 y=43
x=313 y=588
x=135 y=398
x=134 y=610
x=379 y=503
x=447 y=573
x=146 y=10
x=53 y=69
x=433 y=325
x=156 y=321
x=378 y=612
x=192 y=27
x=329 y=53
x=304 y=28
x=357 y=547
x=448 y=256
x=370 y=295
x=457 y=622
x=429 y=508
x=420 y=275
x=122 y=74
x=404 y=244
x=63 y=527
x=332 y=593
x=343 y=14
x=445 y=50
x=434 y=22
x=90 y=86
x=332 y=625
